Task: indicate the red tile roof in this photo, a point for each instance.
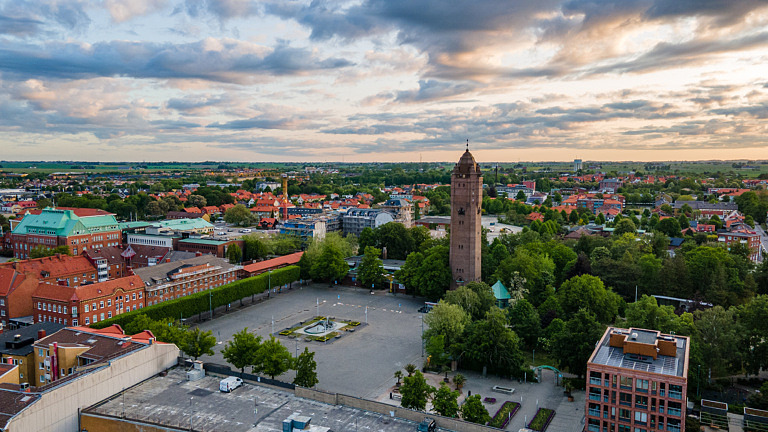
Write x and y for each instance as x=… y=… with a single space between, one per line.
x=47 y=290
x=262 y=266
x=81 y=212
x=56 y=265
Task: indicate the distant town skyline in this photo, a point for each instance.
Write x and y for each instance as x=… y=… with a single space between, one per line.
x=383 y=80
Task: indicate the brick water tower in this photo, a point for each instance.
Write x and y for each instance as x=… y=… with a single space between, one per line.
x=466 y=212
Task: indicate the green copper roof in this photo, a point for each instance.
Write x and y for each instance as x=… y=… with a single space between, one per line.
x=184 y=224
x=500 y=291
x=64 y=223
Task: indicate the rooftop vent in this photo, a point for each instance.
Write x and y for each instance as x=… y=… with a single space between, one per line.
x=91 y=341
x=634 y=336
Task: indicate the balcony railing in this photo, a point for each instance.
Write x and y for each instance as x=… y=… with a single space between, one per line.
x=594 y=412
x=594 y=397
x=594 y=428
x=671 y=428
x=674 y=411
x=595 y=381
x=675 y=394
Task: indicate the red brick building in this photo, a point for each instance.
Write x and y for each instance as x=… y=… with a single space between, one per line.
x=172 y=280
x=79 y=229
x=19 y=280
x=108 y=262
x=87 y=304
x=749 y=238
x=466 y=199
x=637 y=381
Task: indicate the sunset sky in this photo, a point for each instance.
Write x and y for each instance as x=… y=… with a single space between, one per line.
x=383 y=80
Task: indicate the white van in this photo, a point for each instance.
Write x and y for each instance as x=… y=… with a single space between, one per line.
x=245 y=230
x=230 y=383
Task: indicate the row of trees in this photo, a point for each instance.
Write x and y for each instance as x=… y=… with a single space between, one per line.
x=416 y=392
x=269 y=357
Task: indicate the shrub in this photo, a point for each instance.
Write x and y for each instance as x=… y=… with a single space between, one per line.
x=507 y=410
x=541 y=419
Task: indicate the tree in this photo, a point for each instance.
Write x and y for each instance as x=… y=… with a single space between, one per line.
x=272 y=358
x=436 y=352
x=371 y=271
x=445 y=401
x=524 y=320
x=588 y=292
x=669 y=226
x=410 y=368
x=447 y=320
x=198 y=342
x=234 y=254
x=330 y=264
x=367 y=238
x=624 y=226
x=753 y=320
x=490 y=343
x=306 y=369
x=398 y=376
x=467 y=299
x=474 y=411
x=646 y=313
x=396 y=238
x=575 y=343
x=521 y=196
x=717 y=337
x=434 y=276
x=415 y=392
x=238 y=215
x=198 y=201
x=254 y=248
x=459 y=381
x=241 y=350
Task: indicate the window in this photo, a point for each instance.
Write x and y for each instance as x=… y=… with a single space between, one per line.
x=87 y=320
x=86 y=308
x=625 y=382
x=641 y=384
x=624 y=414
x=109 y=302
x=101 y=304
x=109 y=314
x=641 y=416
x=625 y=399
x=133 y=296
x=101 y=317
x=65 y=309
x=641 y=401
x=41 y=353
x=41 y=366
x=93 y=306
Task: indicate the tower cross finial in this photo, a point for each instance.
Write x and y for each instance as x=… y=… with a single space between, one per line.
x=467 y=144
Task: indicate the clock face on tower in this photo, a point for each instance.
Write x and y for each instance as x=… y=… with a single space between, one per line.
x=461 y=210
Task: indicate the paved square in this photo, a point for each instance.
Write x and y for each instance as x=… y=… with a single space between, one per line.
x=360 y=364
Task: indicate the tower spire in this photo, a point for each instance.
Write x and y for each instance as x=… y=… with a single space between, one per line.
x=467 y=144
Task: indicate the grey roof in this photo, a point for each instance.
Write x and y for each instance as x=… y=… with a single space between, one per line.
x=25 y=333
x=160 y=271
x=704 y=205
x=397 y=202
x=665 y=365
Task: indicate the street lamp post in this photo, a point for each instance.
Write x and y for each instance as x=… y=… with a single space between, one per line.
x=210 y=303
x=269 y=284
x=422 y=334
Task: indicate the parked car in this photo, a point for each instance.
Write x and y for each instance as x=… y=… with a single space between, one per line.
x=427 y=425
x=230 y=383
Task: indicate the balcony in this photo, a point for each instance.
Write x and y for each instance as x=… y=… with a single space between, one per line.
x=594 y=428
x=595 y=381
x=594 y=412
x=675 y=395
x=672 y=428
x=674 y=412
x=594 y=397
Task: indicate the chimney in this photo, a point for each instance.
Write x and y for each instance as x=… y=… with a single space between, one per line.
x=167 y=260
x=40 y=334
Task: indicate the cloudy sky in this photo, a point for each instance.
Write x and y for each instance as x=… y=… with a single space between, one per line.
x=383 y=80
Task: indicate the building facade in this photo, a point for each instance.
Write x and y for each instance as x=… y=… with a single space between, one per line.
x=637 y=382
x=466 y=203
x=172 y=280
x=356 y=220
x=87 y=304
x=54 y=227
x=401 y=209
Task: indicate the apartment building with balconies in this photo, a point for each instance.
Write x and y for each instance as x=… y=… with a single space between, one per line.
x=637 y=382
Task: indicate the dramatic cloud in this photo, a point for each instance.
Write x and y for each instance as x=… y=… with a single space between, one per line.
x=383 y=79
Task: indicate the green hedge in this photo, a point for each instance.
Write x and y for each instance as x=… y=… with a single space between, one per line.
x=199 y=302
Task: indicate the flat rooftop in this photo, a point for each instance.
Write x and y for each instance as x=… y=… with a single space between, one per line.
x=175 y=402
x=608 y=355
